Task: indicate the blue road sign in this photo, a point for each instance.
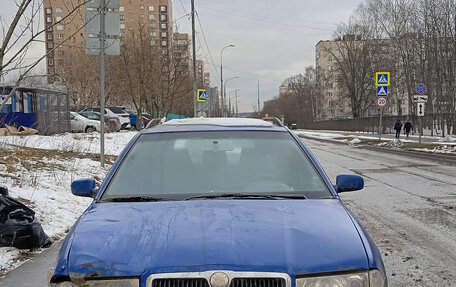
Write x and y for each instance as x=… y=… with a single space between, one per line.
x=420 y=89
x=382 y=91
x=382 y=79
x=201 y=96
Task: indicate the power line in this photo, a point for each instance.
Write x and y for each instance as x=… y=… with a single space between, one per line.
x=199 y=41
x=266 y=21
x=205 y=41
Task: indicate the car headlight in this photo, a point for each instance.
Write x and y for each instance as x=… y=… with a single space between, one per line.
x=99 y=283
x=372 y=278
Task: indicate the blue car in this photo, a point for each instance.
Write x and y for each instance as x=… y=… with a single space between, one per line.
x=218 y=203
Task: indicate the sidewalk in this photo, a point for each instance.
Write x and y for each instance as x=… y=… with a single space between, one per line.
x=429 y=145
x=451 y=140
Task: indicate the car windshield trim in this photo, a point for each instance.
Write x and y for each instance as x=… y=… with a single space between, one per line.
x=274 y=196
x=136 y=198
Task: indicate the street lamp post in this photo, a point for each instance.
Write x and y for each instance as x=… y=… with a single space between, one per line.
x=224 y=90
x=221 y=75
x=235 y=103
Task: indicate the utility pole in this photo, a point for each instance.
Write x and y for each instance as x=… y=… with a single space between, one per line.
x=236 y=97
x=195 y=111
x=102 y=79
x=258 y=97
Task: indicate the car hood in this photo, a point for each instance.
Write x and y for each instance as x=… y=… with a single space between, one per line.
x=292 y=236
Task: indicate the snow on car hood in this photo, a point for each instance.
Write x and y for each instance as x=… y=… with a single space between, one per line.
x=292 y=236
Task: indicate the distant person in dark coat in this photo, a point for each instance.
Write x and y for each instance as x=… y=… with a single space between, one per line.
x=408 y=127
x=397 y=128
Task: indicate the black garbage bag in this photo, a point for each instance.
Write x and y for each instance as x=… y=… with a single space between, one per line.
x=19 y=227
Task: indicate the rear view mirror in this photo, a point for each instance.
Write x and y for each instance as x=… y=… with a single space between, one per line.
x=349 y=182
x=83 y=187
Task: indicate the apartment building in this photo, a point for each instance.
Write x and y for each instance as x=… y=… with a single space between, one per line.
x=64 y=20
x=334 y=101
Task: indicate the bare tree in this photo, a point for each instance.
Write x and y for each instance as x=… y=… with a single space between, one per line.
x=18 y=36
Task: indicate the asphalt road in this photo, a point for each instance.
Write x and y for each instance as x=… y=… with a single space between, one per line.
x=408 y=207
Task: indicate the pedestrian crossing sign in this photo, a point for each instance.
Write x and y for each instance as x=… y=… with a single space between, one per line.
x=201 y=96
x=382 y=91
x=382 y=79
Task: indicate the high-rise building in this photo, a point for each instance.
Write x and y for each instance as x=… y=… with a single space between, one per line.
x=64 y=20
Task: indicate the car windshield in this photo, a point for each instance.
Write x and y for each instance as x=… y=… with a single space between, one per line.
x=178 y=165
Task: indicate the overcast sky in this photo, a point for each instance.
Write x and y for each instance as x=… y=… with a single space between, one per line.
x=274 y=39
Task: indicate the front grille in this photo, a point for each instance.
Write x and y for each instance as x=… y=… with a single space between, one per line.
x=187 y=282
x=258 y=282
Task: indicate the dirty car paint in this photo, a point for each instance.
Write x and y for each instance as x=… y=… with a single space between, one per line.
x=292 y=236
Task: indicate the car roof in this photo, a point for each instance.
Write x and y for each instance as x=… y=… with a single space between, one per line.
x=214 y=124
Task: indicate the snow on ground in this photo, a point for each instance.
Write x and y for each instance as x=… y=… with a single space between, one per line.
x=38 y=171
x=80 y=143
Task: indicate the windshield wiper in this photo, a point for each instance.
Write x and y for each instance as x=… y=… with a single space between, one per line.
x=246 y=196
x=133 y=199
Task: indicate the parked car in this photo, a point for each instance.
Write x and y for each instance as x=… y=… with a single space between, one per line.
x=133 y=119
x=112 y=123
x=218 y=202
x=124 y=116
x=274 y=120
x=83 y=124
x=108 y=112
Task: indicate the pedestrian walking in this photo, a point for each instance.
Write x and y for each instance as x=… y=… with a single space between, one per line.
x=408 y=127
x=397 y=128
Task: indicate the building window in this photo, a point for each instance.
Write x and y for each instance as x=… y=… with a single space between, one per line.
x=121 y=34
x=49 y=19
x=151 y=17
x=163 y=26
x=142 y=15
x=162 y=8
x=153 y=25
x=49 y=29
x=58 y=19
x=163 y=43
x=60 y=36
x=153 y=34
x=330 y=94
x=51 y=70
x=163 y=34
x=49 y=36
x=60 y=53
x=130 y=20
x=48 y=11
x=59 y=27
x=51 y=62
x=130 y=11
x=152 y=43
x=50 y=45
x=121 y=9
x=151 y=8
x=163 y=17
x=330 y=58
x=142 y=7
x=122 y=26
x=122 y=17
x=58 y=10
x=61 y=62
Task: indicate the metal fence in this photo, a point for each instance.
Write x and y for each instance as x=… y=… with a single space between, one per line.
x=435 y=125
x=47 y=111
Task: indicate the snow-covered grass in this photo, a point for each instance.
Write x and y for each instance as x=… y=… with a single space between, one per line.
x=38 y=171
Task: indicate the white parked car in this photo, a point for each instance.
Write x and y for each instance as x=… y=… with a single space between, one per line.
x=123 y=115
x=82 y=124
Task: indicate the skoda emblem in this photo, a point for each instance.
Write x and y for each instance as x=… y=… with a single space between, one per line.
x=219 y=279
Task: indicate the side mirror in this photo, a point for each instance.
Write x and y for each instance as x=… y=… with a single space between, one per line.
x=349 y=182
x=83 y=187
x=3 y=190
